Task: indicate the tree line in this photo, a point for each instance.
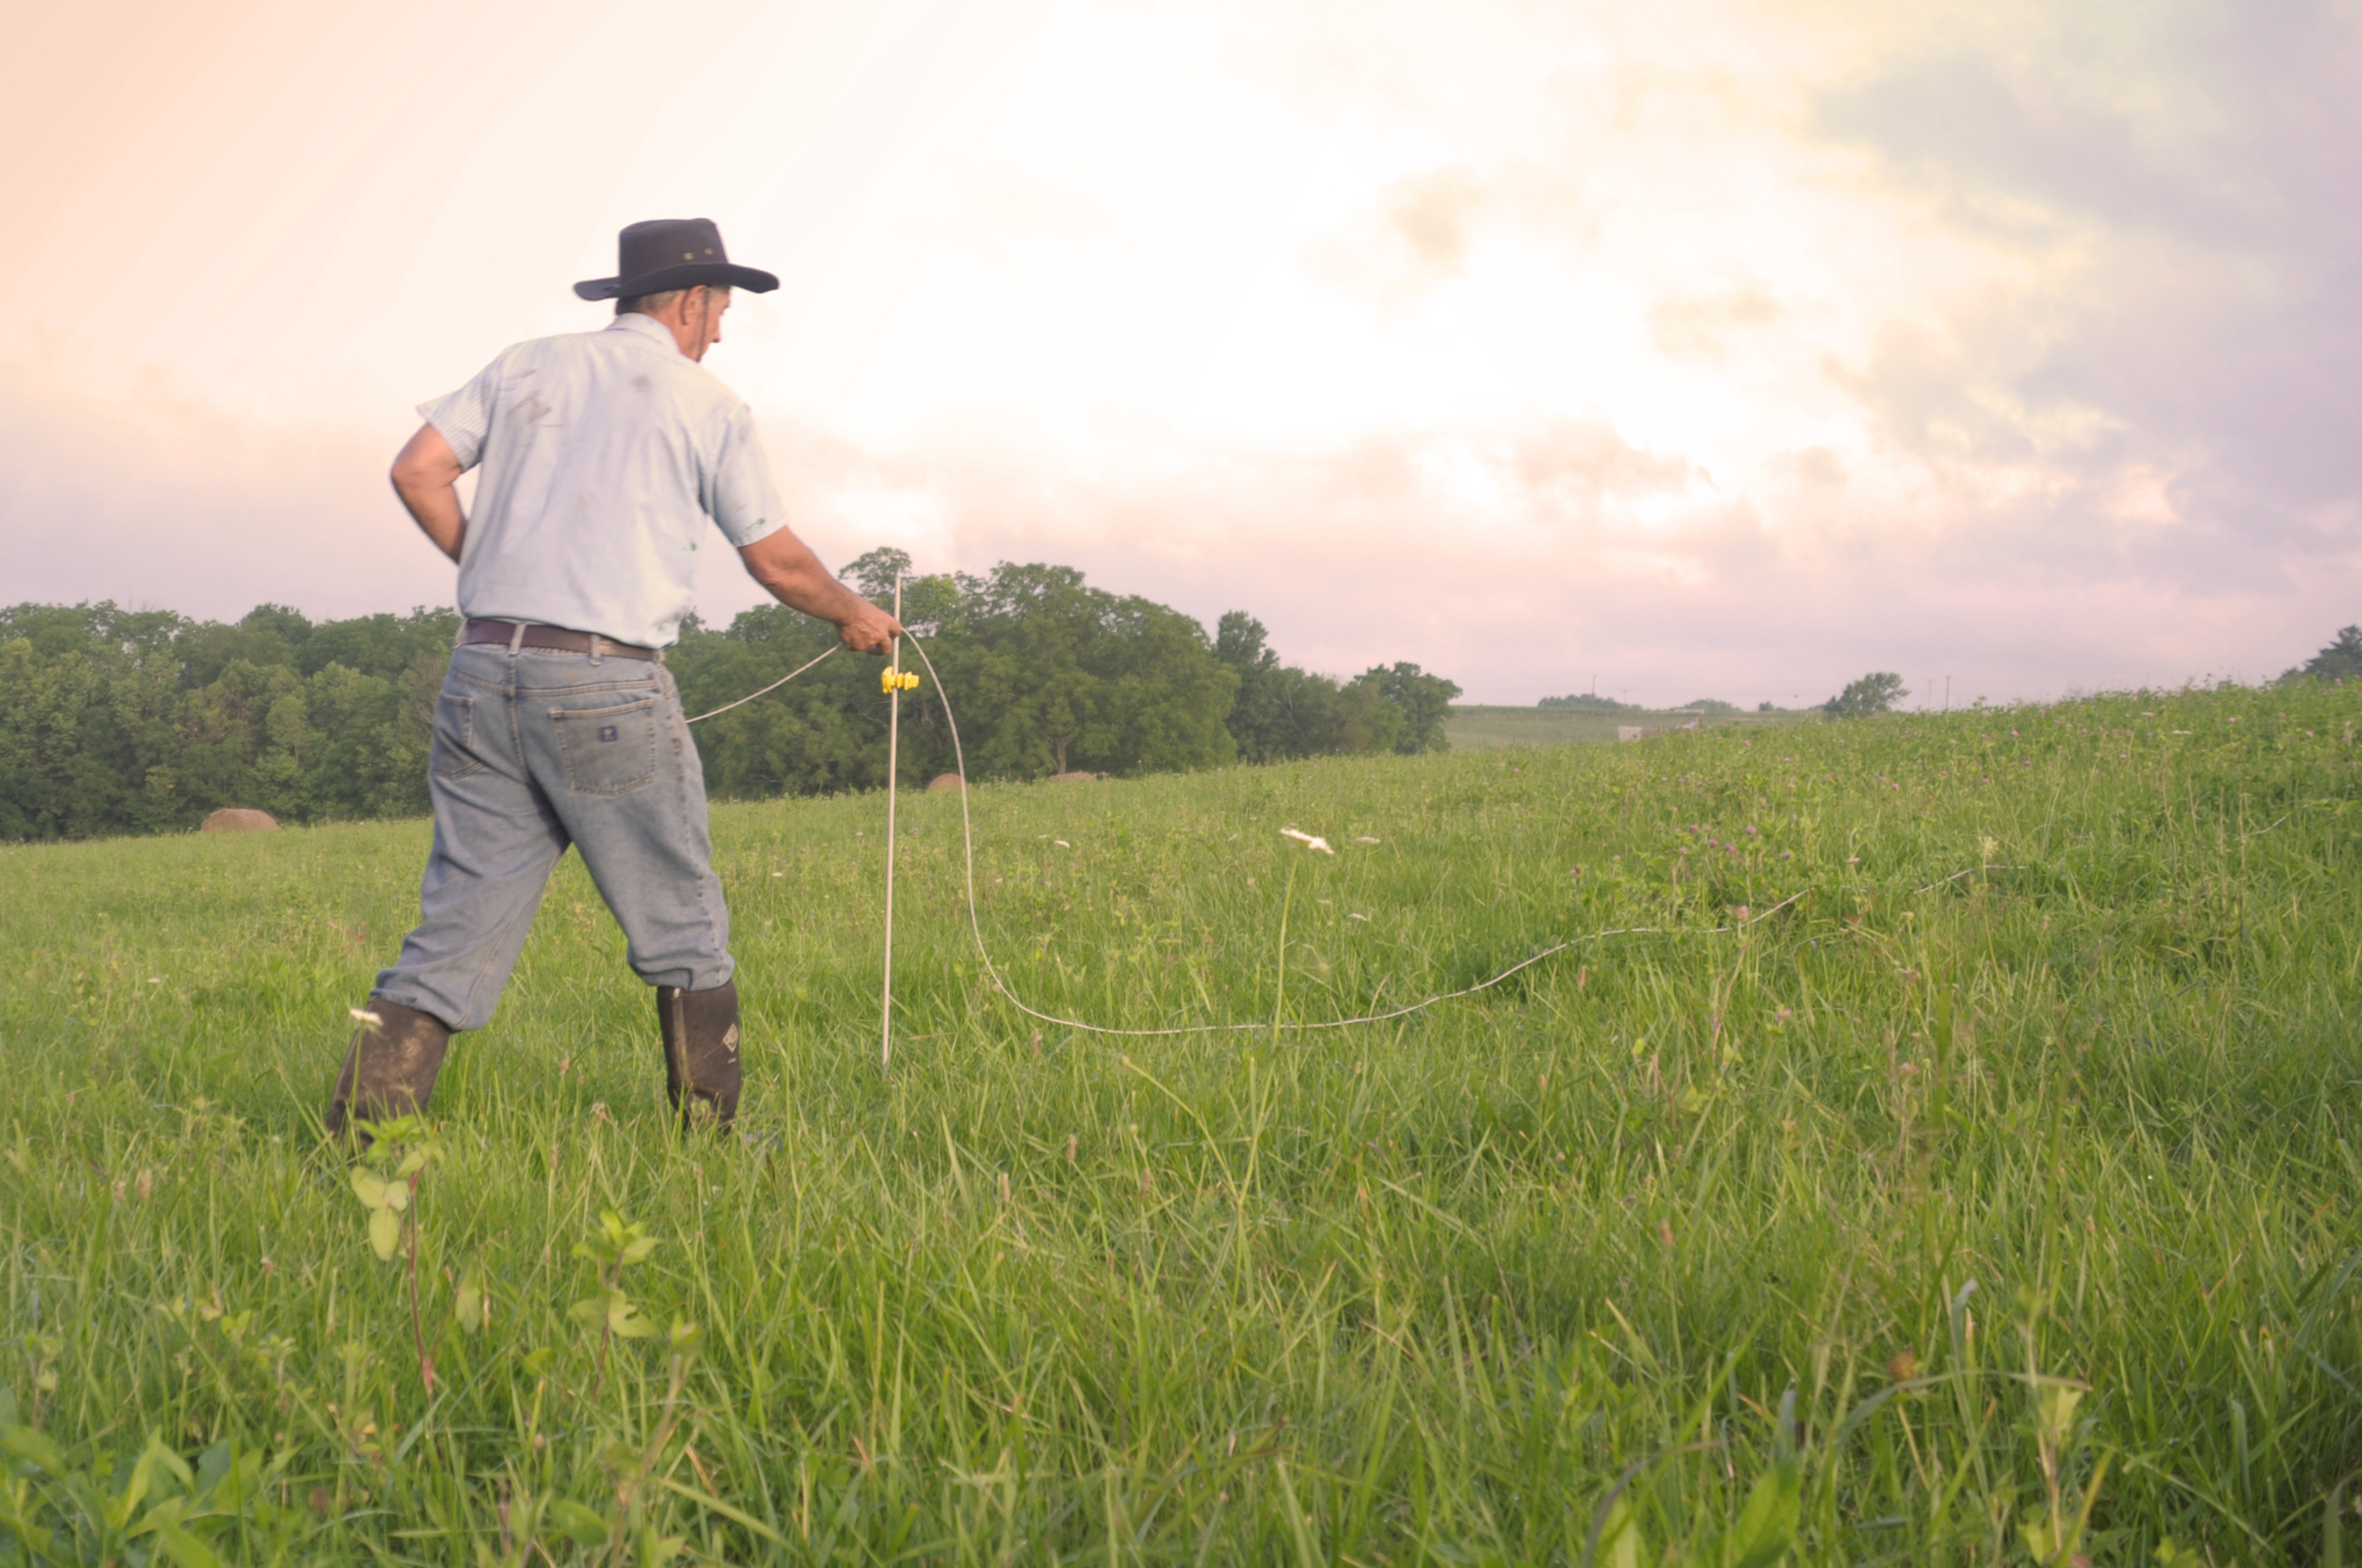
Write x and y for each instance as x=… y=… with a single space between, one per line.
x=1591 y=701
x=115 y=720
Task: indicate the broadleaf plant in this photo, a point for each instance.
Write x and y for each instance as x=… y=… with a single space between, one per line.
x=386 y=1181
x=615 y=1246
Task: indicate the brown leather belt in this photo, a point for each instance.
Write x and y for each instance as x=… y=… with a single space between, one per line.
x=557 y=637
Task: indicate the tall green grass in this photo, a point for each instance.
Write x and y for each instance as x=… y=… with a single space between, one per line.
x=1995 y=1200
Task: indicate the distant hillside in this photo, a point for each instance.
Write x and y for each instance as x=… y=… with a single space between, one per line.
x=1476 y=726
x=1590 y=700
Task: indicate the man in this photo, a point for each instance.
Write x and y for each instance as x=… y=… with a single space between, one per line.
x=603 y=456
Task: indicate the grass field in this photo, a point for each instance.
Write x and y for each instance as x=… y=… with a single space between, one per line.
x=1994 y=1200
x=1476 y=726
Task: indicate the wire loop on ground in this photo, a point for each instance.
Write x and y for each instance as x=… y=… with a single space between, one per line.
x=984 y=954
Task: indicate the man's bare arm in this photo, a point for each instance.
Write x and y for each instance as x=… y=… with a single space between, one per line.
x=427 y=475
x=782 y=563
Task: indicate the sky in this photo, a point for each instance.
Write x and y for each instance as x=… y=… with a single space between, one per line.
x=1678 y=349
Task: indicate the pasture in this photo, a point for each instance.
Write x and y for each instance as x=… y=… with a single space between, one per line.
x=1993 y=1200
x=1476 y=726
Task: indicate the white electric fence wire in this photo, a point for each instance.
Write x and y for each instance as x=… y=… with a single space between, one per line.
x=764 y=692
x=968 y=835
x=975 y=925
x=894 y=761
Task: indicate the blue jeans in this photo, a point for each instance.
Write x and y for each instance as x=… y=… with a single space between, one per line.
x=534 y=751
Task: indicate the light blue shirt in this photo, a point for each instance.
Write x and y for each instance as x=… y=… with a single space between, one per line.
x=603 y=454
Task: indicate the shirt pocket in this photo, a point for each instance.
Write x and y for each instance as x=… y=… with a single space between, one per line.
x=452 y=754
x=608 y=750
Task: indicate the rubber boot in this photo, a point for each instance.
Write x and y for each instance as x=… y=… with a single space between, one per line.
x=390 y=1066
x=701 y=1074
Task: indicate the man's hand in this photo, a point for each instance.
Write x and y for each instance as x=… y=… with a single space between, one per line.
x=427 y=475
x=782 y=563
x=871 y=630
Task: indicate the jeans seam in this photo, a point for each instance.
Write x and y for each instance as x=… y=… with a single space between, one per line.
x=679 y=737
x=526 y=912
x=493 y=949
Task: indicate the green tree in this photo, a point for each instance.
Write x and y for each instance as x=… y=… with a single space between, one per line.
x=2340 y=660
x=1081 y=679
x=367 y=747
x=265 y=635
x=812 y=736
x=1425 y=701
x=115 y=720
x=122 y=720
x=873 y=575
x=1282 y=712
x=89 y=696
x=381 y=645
x=1876 y=692
x=1050 y=675
x=1264 y=719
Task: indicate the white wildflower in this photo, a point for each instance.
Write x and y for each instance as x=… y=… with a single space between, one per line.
x=1308 y=840
x=1365 y=838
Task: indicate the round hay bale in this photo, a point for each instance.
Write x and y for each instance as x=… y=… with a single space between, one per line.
x=1073 y=777
x=240 y=819
x=945 y=781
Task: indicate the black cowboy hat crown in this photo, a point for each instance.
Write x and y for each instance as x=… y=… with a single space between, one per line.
x=670 y=253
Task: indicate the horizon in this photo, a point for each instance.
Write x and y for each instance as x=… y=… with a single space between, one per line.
x=1703 y=347
x=1933 y=696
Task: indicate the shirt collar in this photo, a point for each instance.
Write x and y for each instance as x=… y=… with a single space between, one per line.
x=649 y=327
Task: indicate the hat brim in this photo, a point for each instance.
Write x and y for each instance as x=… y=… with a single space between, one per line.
x=688 y=275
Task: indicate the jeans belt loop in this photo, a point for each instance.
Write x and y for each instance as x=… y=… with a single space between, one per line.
x=596 y=642
x=516 y=640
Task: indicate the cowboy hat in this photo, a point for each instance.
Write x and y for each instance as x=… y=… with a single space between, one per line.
x=670 y=253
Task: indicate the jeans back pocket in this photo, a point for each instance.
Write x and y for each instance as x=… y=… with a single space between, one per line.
x=608 y=751
x=451 y=752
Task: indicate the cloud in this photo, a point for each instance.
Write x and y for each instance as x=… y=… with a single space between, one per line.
x=151 y=494
x=2013 y=149
x=1812 y=466
x=1429 y=218
x=1416 y=234
x=1576 y=468
x=1006 y=211
x=1517 y=557
x=2176 y=249
x=1699 y=326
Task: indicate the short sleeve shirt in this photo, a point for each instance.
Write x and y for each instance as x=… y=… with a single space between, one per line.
x=604 y=457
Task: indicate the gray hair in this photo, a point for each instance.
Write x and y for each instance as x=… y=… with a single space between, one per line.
x=649 y=304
